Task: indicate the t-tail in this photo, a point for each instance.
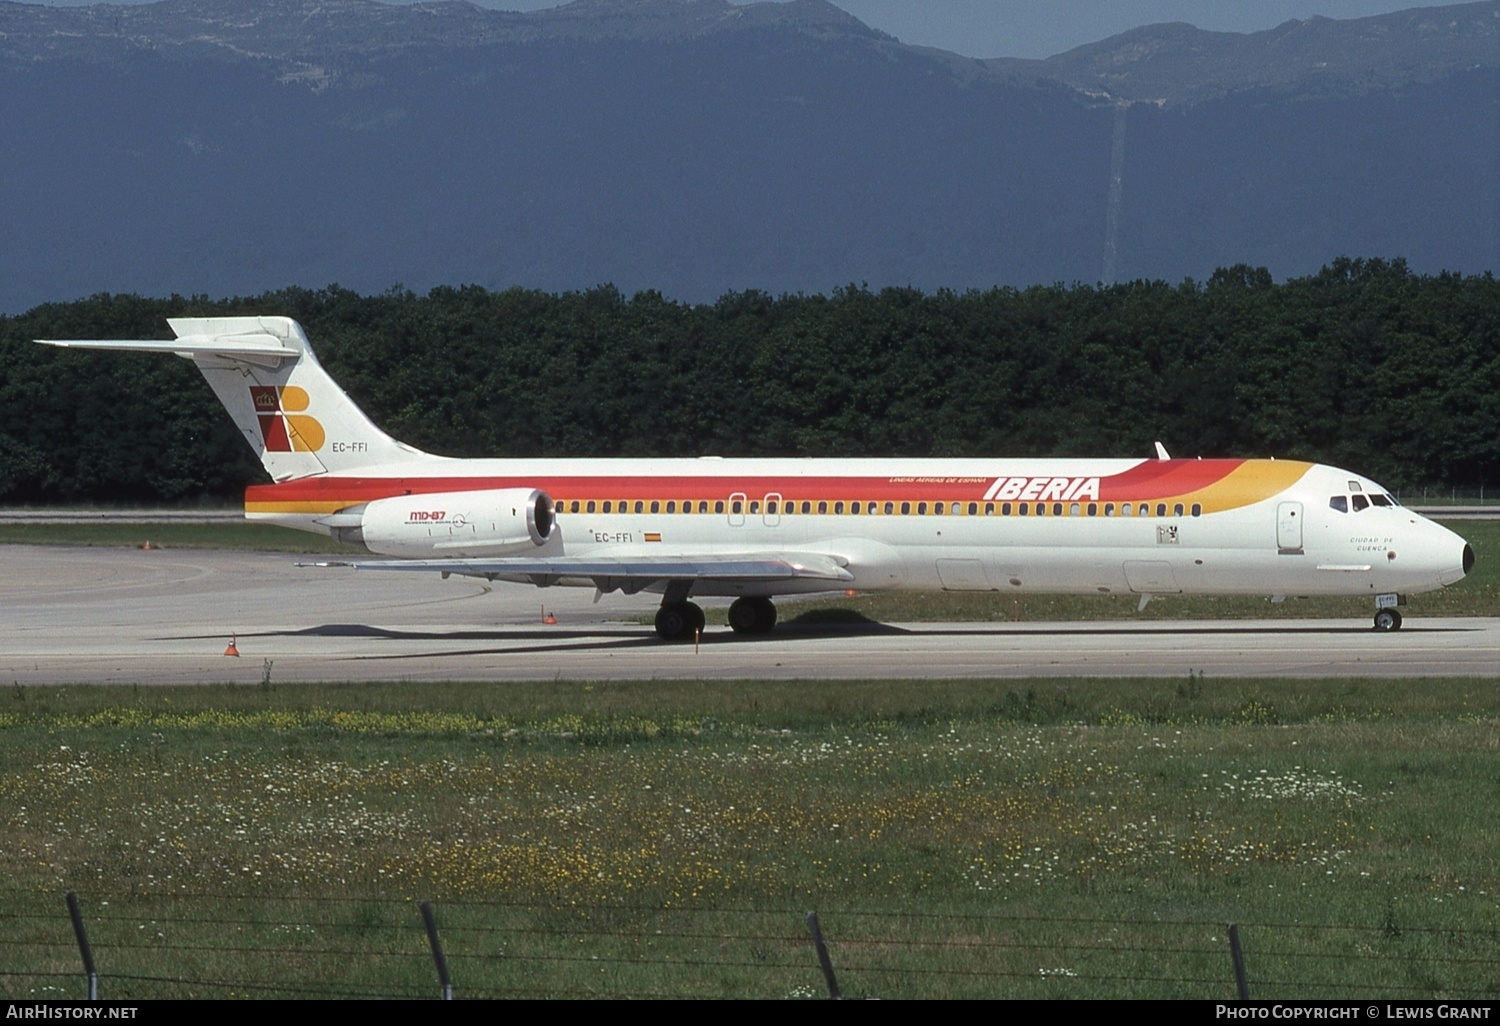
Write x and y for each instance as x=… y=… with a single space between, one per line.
x=295 y=417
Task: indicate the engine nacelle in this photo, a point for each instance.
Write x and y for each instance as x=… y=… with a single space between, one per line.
x=500 y=522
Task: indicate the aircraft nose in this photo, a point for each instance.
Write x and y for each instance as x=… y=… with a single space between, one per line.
x=1456 y=566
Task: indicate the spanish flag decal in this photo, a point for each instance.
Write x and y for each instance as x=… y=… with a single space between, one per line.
x=653 y=536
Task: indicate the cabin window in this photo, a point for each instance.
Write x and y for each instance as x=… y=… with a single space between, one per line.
x=1126 y=509
x=575 y=506
x=655 y=506
x=719 y=506
x=822 y=507
x=854 y=508
x=1005 y=509
x=671 y=506
x=1074 y=509
x=770 y=505
x=754 y=505
x=1041 y=509
x=1161 y=509
x=1197 y=509
x=606 y=506
x=974 y=509
x=590 y=506
x=838 y=507
x=1109 y=509
x=702 y=505
x=1093 y=509
x=1177 y=510
x=640 y=506
x=922 y=509
x=906 y=509
x=1057 y=509
x=890 y=508
x=737 y=507
x=1360 y=503
x=1022 y=509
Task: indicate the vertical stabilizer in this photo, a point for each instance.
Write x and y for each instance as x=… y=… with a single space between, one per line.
x=295 y=417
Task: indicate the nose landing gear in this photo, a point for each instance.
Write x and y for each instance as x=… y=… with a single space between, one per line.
x=1387 y=620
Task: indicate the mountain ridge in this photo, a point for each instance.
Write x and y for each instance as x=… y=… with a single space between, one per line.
x=711 y=148
x=1169 y=64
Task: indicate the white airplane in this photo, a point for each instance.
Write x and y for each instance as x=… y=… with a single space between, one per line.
x=757 y=528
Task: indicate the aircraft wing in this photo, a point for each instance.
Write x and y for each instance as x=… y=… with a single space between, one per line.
x=629 y=574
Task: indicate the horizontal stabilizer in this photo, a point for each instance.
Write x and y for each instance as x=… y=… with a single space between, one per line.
x=251 y=348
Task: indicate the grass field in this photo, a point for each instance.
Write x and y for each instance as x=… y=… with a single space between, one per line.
x=1035 y=839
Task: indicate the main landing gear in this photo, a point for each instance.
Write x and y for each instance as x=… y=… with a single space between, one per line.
x=678 y=621
x=752 y=615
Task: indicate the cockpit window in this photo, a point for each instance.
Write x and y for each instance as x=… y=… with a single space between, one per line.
x=1340 y=503
x=1354 y=486
x=1360 y=503
x=1381 y=500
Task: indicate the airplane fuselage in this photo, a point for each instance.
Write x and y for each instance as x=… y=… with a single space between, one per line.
x=1225 y=527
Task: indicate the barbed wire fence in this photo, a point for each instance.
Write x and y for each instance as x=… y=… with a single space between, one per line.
x=236 y=945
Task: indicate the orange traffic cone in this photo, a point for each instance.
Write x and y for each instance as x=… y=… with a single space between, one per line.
x=148 y=546
x=232 y=650
x=548 y=617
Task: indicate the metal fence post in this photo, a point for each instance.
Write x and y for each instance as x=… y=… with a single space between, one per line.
x=83 y=945
x=437 y=950
x=824 y=962
x=1237 y=956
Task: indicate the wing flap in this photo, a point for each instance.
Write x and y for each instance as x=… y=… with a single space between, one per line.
x=624 y=573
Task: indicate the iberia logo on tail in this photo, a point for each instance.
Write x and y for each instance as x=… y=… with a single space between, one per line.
x=283 y=425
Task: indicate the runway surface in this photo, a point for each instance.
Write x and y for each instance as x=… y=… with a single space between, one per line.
x=99 y=615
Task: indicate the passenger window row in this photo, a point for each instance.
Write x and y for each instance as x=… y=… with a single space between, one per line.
x=888 y=508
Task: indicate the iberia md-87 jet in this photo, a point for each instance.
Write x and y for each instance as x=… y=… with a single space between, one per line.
x=753 y=529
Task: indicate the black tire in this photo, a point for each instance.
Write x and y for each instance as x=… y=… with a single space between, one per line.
x=675 y=622
x=1387 y=620
x=752 y=615
x=699 y=621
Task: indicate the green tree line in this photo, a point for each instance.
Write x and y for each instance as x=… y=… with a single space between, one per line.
x=1365 y=365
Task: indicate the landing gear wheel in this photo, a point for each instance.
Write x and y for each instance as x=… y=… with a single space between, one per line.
x=1387 y=620
x=752 y=615
x=678 y=621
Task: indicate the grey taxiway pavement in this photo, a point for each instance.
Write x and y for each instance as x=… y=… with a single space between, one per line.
x=102 y=615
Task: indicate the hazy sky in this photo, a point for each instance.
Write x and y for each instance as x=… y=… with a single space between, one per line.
x=1041 y=28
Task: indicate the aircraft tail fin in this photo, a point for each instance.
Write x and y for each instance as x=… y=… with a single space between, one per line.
x=295 y=417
